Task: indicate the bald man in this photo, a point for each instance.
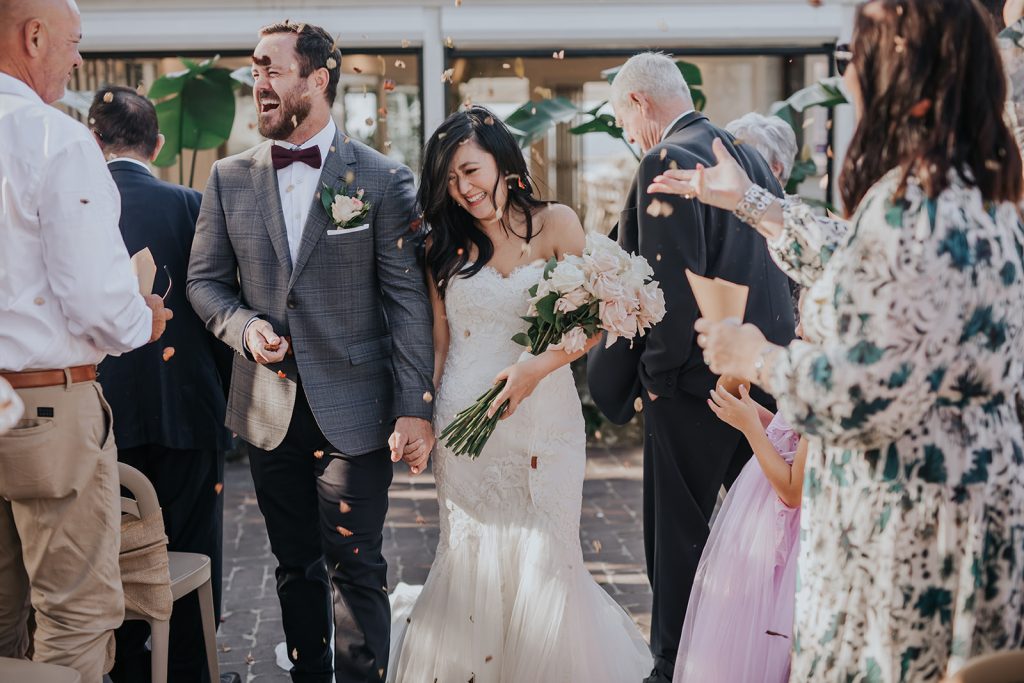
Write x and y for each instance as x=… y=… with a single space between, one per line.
x=68 y=298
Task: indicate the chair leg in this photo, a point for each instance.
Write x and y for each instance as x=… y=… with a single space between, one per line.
x=209 y=629
x=160 y=635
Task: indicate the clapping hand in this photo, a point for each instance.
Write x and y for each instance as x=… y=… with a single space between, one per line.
x=721 y=185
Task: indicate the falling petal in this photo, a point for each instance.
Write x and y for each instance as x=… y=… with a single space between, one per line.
x=108 y=97
x=343 y=531
x=344 y=507
x=428 y=397
x=318 y=454
x=168 y=353
x=638 y=404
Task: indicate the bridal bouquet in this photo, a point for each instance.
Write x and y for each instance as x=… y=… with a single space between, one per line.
x=604 y=289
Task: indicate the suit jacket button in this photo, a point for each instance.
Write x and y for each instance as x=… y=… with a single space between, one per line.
x=291 y=302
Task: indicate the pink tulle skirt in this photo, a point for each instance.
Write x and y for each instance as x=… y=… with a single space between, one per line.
x=739 y=620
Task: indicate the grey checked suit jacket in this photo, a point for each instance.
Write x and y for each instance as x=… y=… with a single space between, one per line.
x=355 y=304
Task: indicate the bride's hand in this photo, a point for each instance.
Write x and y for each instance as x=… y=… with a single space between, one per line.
x=721 y=185
x=520 y=381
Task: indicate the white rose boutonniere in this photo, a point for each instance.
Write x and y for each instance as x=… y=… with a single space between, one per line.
x=346 y=210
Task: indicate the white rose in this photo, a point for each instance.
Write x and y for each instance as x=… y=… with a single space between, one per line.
x=606 y=286
x=566 y=277
x=344 y=209
x=572 y=341
x=652 y=304
x=570 y=301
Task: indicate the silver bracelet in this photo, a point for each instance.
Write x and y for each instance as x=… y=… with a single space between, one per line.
x=754 y=205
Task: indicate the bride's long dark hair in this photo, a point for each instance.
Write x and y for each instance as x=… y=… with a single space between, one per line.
x=452 y=229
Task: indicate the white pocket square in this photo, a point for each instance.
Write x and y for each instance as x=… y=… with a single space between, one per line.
x=349 y=231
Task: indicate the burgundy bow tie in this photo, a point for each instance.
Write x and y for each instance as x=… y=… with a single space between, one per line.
x=282 y=157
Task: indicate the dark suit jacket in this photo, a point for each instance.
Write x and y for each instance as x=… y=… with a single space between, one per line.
x=708 y=241
x=179 y=403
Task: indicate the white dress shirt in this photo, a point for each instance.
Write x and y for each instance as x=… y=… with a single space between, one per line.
x=67 y=292
x=298 y=183
x=668 y=128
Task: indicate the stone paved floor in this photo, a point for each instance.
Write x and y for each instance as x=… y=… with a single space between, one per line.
x=610 y=532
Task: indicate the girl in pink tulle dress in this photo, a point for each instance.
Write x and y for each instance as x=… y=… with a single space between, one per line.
x=739 y=621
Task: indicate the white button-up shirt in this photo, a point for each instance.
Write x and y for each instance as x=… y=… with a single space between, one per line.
x=67 y=292
x=299 y=182
x=669 y=127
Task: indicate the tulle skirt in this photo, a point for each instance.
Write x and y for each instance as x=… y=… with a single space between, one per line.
x=739 y=620
x=512 y=607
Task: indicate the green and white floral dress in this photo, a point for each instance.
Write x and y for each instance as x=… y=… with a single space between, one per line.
x=912 y=550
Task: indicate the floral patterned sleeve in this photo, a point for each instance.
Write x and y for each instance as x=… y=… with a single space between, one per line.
x=806 y=242
x=1011 y=46
x=895 y=314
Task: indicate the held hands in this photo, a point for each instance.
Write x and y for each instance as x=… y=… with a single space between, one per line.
x=729 y=347
x=721 y=185
x=412 y=441
x=264 y=344
x=520 y=381
x=739 y=413
x=160 y=315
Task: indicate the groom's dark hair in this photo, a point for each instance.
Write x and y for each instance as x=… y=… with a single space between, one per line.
x=316 y=50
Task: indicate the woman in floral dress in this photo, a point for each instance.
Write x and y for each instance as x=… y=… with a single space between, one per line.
x=912 y=550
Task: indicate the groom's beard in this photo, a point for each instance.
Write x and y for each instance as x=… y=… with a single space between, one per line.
x=293 y=111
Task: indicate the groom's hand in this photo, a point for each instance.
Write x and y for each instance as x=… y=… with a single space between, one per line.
x=412 y=441
x=265 y=345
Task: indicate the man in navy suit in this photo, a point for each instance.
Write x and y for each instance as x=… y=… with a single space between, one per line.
x=168 y=399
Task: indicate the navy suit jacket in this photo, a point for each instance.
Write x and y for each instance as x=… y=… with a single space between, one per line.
x=706 y=240
x=178 y=403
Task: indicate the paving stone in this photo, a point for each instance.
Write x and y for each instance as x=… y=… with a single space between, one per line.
x=611 y=532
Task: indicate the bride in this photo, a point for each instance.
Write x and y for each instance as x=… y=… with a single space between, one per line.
x=508 y=598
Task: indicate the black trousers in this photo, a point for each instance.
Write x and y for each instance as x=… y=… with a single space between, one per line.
x=193 y=510
x=688 y=455
x=325 y=517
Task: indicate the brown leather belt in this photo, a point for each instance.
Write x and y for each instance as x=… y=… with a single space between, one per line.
x=34 y=379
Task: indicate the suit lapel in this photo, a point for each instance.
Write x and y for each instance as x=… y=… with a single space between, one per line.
x=336 y=166
x=264 y=179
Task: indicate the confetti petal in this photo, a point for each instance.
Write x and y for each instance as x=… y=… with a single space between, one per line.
x=332 y=63
x=218 y=487
x=428 y=397
x=344 y=507
x=108 y=97
x=318 y=454
x=168 y=353
x=343 y=531
x=280 y=373
x=638 y=404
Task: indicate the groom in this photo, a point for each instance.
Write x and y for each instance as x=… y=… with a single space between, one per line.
x=332 y=325
x=688 y=452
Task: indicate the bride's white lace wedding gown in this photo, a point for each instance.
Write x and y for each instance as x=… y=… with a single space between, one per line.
x=508 y=598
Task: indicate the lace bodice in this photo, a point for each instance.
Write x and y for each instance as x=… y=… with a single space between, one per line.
x=534 y=458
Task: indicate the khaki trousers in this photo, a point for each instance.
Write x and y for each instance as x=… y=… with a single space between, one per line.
x=60 y=530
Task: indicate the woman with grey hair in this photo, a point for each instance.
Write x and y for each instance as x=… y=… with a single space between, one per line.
x=772 y=137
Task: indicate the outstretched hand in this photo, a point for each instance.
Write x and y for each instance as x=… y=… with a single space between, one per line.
x=1013 y=10
x=721 y=185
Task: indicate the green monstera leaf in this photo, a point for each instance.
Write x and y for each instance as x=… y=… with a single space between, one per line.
x=195 y=108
